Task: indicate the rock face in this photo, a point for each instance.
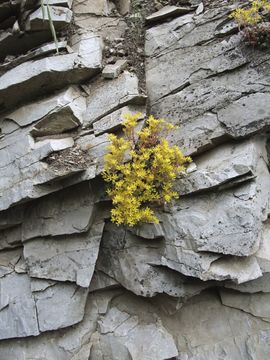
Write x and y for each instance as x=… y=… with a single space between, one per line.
x=74 y=286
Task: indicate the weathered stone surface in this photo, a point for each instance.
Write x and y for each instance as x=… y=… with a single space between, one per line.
x=77 y=255
x=123 y=6
x=235 y=230
x=55 y=114
x=99 y=7
x=59 y=306
x=255 y=304
x=60 y=16
x=114 y=120
x=43 y=50
x=230 y=163
x=66 y=3
x=137 y=265
x=131 y=335
x=108 y=97
x=38 y=77
x=167 y=12
x=18 y=313
x=247 y=115
x=11 y=237
x=229 y=331
x=101 y=281
x=14 y=44
x=68 y=212
x=199 y=75
x=107 y=27
x=234 y=217
x=191 y=72
x=112 y=71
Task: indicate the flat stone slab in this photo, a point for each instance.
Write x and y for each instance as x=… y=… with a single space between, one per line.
x=113 y=121
x=167 y=12
x=107 y=97
x=225 y=165
x=68 y=212
x=255 y=304
x=53 y=115
x=112 y=71
x=60 y=305
x=18 y=316
x=99 y=7
x=77 y=255
x=61 y=18
x=40 y=77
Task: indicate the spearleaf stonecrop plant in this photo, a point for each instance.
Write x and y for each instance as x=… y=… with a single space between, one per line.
x=254 y=22
x=141 y=169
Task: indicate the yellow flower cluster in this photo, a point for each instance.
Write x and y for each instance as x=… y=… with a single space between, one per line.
x=253 y=15
x=141 y=169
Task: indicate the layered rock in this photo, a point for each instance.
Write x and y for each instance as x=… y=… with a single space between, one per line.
x=74 y=286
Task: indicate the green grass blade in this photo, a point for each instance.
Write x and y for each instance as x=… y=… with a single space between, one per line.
x=52 y=28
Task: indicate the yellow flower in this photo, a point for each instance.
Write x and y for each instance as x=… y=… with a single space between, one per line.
x=149 y=174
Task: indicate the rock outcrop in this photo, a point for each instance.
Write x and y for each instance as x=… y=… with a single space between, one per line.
x=74 y=286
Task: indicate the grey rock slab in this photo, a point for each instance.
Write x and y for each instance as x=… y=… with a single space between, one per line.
x=70 y=258
x=52 y=145
x=99 y=7
x=25 y=176
x=60 y=306
x=96 y=146
x=178 y=73
x=18 y=317
x=223 y=222
x=164 y=36
x=112 y=71
x=197 y=105
x=8 y=261
x=33 y=54
x=38 y=77
x=89 y=46
x=168 y=11
x=40 y=284
x=239 y=270
x=231 y=333
x=228 y=331
x=123 y=6
x=200 y=134
x=52 y=115
x=228 y=163
x=70 y=211
x=11 y=217
x=256 y=304
x=247 y=115
x=15 y=44
x=65 y=3
x=61 y=345
x=107 y=97
x=106 y=26
x=102 y=281
x=263 y=253
x=121 y=328
x=61 y=17
x=262 y=284
x=135 y=263
x=114 y=120
x=10 y=238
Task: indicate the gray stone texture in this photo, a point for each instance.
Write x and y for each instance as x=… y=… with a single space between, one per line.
x=74 y=286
